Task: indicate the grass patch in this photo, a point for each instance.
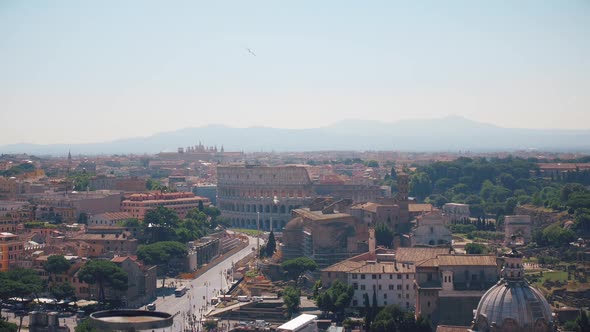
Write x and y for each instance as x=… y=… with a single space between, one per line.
x=251 y=232
x=555 y=276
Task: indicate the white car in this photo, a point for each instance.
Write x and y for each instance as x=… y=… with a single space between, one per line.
x=151 y=307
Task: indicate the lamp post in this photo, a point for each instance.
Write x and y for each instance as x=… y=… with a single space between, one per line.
x=275 y=201
x=257 y=233
x=207 y=293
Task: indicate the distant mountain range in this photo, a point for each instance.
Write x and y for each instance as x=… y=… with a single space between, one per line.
x=451 y=134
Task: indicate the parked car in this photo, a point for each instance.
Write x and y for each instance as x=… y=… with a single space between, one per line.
x=151 y=307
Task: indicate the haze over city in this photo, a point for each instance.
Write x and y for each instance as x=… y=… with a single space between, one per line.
x=295 y=166
x=79 y=72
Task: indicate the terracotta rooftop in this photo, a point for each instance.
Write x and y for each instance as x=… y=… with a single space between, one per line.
x=473 y=260
x=431 y=262
x=113 y=216
x=386 y=267
x=104 y=237
x=344 y=266
x=420 y=207
x=119 y=259
x=319 y=216
x=416 y=255
x=368 y=206
x=451 y=328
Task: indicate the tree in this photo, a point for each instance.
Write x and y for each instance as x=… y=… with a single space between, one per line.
x=316 y=288
x=336 y=298
x=393 y=319
x=201 y=206
x=19 y=283
x=7 y=327
x=85 y=326
x=104 y=273
x=131 y=222
x=383 y=235
x=581 y=324
x=297 y=266
x=271 y=245
x=63 y=291
x=368 y=312
x=420 y=185
x=475 y=249
x=372 y=163
x=159 y=221
x=161 y=254
x=292 y=299
x=83 y=218
x=555 y=235
x=56 y=264
x=210 y=325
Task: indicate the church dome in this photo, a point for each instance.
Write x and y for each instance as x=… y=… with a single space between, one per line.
x=512 y=304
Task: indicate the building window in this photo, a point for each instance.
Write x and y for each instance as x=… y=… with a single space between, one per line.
x=407 y=296
x=354 y=276
x=428 y=304
x=429 y=277
x=379 y=287
x=407 y=287
x=391 y=276
x=407 y=276
x=391 y=287
x=399 y=276
x=379 y=276
x=362 y=287
x=399 y=287
x=374 y=276
x=362 y=276
x=355 y=286
x=384 y=295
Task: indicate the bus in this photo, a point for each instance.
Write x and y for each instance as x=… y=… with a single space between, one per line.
x=180 y=291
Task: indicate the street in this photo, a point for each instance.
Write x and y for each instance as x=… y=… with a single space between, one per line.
x=193 y=303
x=200 y=291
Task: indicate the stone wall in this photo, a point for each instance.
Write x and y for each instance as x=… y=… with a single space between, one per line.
x=246 y=194
x=541 y=217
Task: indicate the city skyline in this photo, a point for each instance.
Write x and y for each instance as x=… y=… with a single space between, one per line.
x=84 y=73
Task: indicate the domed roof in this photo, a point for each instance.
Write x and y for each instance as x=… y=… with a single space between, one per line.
x=512 y=304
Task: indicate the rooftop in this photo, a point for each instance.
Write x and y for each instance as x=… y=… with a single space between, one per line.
x=419 y=207
x=298 y=322
x=113 y=216
x=416 y=255
x=319 y=216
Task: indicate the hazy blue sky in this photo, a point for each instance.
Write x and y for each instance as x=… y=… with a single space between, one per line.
x=86 y=71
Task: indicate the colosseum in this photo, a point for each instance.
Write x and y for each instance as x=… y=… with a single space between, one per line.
x=248 y=192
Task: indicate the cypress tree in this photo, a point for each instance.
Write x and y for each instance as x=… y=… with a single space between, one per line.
x=271 y=245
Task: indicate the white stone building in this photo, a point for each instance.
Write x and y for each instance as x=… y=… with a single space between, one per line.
x=391 y=282
x=430 y=230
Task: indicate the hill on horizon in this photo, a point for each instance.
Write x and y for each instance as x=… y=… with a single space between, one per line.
x=448 y=134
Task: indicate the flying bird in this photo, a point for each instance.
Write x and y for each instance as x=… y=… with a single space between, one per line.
x=250 y=51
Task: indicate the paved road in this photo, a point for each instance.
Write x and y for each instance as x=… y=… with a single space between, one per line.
x=200 y=290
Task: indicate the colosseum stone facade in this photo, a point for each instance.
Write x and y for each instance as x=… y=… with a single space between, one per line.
x=246 y=192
